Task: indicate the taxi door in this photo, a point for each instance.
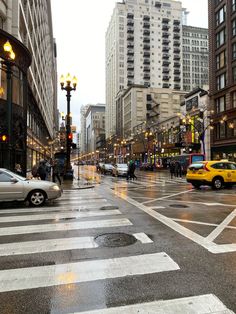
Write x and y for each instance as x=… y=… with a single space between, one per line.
x=231 y=172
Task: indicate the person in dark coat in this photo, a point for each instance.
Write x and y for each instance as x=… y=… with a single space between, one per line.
x=172 y=168
x=18 y=170
x=56 y=171
x=42 y=170
x=132 y=170
x=178 y=169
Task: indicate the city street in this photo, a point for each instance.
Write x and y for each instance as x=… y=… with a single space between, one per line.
x=153 y=245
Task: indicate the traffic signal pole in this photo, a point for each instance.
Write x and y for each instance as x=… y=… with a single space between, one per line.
x=9 y=161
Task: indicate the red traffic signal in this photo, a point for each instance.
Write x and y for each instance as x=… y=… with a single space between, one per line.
x=70 y=136
x=3 y=138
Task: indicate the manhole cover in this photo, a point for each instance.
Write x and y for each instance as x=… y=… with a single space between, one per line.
x=178 y=206
x=108 y=207
x=115 y=239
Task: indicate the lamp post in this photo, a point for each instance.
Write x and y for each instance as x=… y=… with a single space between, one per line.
x=8 y=63
x=68 y=84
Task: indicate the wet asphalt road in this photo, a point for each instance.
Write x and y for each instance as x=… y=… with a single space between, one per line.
x=50 y=261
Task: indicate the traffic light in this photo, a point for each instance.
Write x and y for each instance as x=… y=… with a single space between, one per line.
x=70 y=137
x=3 y=138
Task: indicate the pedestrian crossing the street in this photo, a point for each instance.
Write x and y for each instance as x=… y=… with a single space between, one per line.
x=70 y=226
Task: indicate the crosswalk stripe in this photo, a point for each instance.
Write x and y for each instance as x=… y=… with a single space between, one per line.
x=80 y=198
x=75 y=201
x=6 y=231
x=46 y=276
x=59 y=216
x=51 y=209
x=51 y=245
x=59 y=244
x=203 y=304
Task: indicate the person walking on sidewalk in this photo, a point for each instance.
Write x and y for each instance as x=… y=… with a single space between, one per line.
x=56 y=171
x=132 y=170
x=172 y=168
x=42 y=170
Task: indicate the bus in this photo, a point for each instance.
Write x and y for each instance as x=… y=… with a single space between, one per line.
x=187 y=159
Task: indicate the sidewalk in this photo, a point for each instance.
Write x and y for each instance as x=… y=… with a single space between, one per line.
x=77 y=184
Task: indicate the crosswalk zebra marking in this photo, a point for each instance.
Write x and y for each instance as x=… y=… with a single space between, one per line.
x=58 y=216
x=203 y=304
x=59 y=244
x=51 y=245
x=69 y=273
x=51 y=209
x=142 y=237
x=6 y=231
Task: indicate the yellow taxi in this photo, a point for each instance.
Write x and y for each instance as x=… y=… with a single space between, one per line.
x=215 y=173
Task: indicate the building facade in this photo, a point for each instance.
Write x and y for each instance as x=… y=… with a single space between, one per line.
x=222 y=47
x=95 y=126
x=30 y=22
x=195 y=64
x=143 y=47
x=83 y=111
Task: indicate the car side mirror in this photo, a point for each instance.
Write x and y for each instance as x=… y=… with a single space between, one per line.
x=14 y=180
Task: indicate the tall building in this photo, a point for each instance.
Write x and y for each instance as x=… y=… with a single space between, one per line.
x=222 y=41
x=83 y=111
x=31 y=23
x=195 y=57
x=95 y=126
x=143 y=47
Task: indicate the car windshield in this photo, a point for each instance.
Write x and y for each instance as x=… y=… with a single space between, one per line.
x=122 y=166
x=16 y=175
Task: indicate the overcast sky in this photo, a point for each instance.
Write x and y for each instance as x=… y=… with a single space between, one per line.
x=79 y=28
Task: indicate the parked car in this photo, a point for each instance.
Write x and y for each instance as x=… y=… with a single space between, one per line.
x=17 y=188
x=216 y=174
x=120 y=170
x=107 y=169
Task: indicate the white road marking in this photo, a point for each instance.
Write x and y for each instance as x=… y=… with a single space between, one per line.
x=203 y=304
x=157 y=207
x=42 y=246
x=207 y=204
x=65 y=226
x=79 y=202
x=204 y=242
x=214 y=234
x=201 y=223
x=58 y=216
x=47 y=276
x=80 y=198
x=142 y=237
x=51 y=209
x=168 y=196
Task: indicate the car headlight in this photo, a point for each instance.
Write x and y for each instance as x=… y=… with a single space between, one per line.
x=55 y=188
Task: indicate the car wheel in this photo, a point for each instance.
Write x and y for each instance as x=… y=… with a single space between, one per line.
x=217 y=183
x=37 y=198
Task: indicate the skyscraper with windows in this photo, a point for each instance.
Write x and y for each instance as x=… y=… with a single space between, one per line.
x=143 y=47
x=31 y=23
x=195 y=57
x=222 y=76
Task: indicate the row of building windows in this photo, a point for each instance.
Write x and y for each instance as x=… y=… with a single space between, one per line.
x=196 y=35
x=220 y=103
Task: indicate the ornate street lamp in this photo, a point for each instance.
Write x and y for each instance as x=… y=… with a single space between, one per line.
x=68 y=84
x=8 y=63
